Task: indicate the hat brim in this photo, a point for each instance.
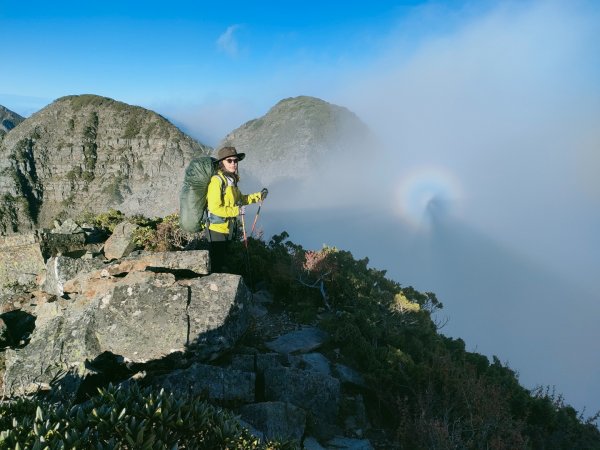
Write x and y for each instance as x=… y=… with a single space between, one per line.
x=239 y=156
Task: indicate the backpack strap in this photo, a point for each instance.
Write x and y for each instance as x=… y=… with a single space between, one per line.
x=212 y=218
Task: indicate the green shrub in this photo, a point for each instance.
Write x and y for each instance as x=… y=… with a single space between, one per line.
x=106 y=221
x=426 y=387
x=125 y=418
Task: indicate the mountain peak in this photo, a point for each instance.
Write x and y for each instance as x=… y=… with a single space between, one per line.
x=298 y=130
x=90 y=153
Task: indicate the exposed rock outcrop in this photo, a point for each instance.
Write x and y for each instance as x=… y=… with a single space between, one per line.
x=90 y=153
x=163 y=319
x=141 y=317
x=8 y=120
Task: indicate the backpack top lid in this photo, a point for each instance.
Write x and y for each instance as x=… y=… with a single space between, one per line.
x=199 y=172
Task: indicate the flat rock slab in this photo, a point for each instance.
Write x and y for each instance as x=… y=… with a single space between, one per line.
x=313 y=361
x=301 y=341
x=276 y=420
x=218 y=383
x=94 y=282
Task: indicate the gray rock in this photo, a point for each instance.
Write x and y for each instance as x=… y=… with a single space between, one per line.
x=257 y=311
x=258 y=362
x=19 y=254
x=300 y=341
x=120 y=243
x=218 y=383
x=347 y=375
x=69 y=226
x=356 y=420
x=218 y=313
x=57 y=351
x=310 y=443
x=196 y=262
x=344 y=443
x=318 y=394
x=60 y=269
x=313 y=361
x=276 y=420
x=141 y=317
x=5 y=338
x=54 y=244
x=262 y=297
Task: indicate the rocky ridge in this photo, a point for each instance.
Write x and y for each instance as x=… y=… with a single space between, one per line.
x=164 y=319
x=90 y=153
x=8 y=120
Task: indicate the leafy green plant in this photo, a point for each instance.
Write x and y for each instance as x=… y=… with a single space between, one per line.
x=106 y=221
x=160 y=234
x=125 y=418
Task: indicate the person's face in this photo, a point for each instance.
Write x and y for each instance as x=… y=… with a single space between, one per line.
x=231 y=163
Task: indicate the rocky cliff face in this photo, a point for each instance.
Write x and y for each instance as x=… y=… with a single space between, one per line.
x=90 y=153
x=8 y=120
x=295 y=136
x=162 y=319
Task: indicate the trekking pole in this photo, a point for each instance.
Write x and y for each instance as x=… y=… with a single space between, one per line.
x=244 y=231
x=247 y=252
x=256 y=218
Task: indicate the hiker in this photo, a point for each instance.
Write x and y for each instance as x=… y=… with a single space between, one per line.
x=225 y=204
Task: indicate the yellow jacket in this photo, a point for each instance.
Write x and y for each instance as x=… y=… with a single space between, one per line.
x=221 y=208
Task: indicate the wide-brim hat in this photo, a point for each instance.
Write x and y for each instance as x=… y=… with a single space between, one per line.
x=226 y=152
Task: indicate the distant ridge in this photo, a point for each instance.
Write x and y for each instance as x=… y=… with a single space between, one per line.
x=295 y=136
x=8 y=120
x=86 y=152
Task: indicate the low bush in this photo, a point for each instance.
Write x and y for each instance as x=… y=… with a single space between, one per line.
x=125 y=418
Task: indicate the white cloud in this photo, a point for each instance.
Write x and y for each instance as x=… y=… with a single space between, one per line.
x=227 y=41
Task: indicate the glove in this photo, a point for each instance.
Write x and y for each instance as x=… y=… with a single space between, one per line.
x=242 y=210
x=263 y=193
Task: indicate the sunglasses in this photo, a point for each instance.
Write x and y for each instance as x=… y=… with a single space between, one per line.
x=232 y=160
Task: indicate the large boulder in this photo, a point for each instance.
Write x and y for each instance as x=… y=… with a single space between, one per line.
x=60 y=269
x=139 y=318
x=304 y=340
x=312 y=391
x=276 y=420
x=20 y=254
x=121 y=242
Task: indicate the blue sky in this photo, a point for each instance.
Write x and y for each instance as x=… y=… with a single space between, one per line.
x=489 y=107
x=180 y=54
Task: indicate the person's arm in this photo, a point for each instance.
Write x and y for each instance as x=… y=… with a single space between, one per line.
x=251 y=198
x=215 y=202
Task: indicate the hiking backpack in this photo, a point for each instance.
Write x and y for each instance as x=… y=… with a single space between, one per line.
x=192 y=198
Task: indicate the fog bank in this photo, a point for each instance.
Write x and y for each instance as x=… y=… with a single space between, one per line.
x=485 y=187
